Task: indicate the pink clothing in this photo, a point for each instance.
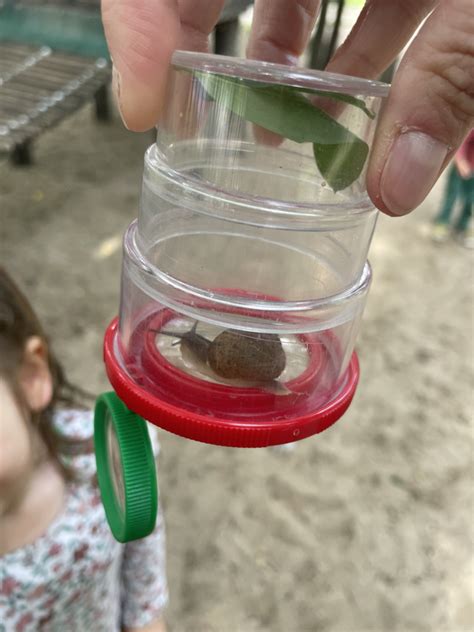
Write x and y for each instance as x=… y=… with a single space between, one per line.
x=466 y=151
x=76 y=577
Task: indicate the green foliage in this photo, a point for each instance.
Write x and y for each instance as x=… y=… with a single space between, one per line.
x=340 y=155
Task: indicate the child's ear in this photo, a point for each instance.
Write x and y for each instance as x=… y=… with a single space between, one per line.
x=35 y=377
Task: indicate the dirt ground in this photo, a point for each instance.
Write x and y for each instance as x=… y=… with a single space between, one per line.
x=364 y=528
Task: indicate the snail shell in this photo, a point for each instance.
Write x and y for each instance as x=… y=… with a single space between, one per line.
x=247 y=356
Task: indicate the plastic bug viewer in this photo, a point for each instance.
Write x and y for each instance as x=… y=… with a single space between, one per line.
x=245 y=275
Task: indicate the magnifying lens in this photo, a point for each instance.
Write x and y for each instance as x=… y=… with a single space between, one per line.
x=126 y=469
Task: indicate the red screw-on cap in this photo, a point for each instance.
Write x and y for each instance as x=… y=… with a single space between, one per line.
x=219 y=430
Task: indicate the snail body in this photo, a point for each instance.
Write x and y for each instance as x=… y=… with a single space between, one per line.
x=253 y=357
x=195 y=343
x=233 y=355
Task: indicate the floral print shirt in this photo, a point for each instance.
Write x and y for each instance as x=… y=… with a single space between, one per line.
x=76 y=577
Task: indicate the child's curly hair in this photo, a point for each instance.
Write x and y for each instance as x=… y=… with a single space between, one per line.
x=18 y=322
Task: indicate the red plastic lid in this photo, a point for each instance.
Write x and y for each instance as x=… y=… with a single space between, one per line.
x=254 y=432
x=155 y=370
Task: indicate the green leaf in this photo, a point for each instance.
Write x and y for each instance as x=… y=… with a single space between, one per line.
x=339 y=154
x=337 y=96
x=342 y=163
x=340 y=96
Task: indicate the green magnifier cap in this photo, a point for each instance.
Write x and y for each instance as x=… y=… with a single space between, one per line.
x=125 y=469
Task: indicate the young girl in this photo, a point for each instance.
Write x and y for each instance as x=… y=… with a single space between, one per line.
x=60 y=567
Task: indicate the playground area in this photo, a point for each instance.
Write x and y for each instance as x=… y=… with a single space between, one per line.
x=365 y=528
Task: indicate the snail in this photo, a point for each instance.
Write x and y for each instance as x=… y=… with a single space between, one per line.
x=233 y=355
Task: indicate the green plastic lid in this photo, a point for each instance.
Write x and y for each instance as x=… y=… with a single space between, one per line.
x=125 y=469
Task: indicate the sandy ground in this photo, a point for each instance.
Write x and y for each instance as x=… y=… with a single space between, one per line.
x=362 y=529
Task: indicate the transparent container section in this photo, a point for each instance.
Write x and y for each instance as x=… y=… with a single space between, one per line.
x=220 y=237
x=269 y=154
x=270 y=132
x=245 y=274
x=231 y=350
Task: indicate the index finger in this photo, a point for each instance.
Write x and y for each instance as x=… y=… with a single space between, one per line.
x=142 y=35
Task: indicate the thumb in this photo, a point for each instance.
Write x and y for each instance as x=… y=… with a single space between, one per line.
x=142 y=35
x=429 y=111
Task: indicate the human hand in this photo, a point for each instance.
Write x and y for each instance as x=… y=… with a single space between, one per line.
x=143 y=34
x=431 y=104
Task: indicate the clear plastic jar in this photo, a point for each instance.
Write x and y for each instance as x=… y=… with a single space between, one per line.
x=245 y=275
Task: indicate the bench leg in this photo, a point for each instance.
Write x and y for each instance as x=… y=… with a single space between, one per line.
x=21 y=154
x=227 y=38
x=102 y=104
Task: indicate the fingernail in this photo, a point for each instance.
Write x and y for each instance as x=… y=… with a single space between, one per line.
x=411 y=169
x=116 y=87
